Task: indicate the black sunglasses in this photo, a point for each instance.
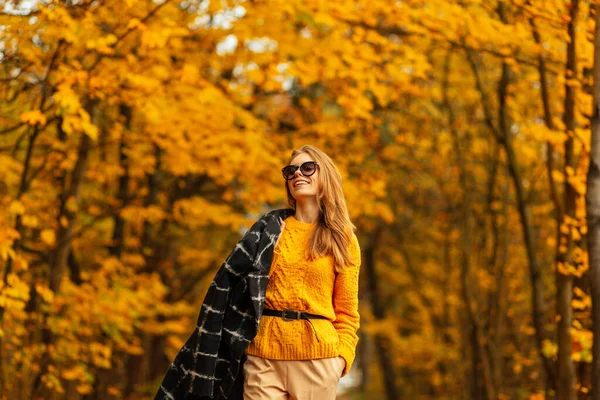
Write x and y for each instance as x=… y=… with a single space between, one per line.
x=307 y=169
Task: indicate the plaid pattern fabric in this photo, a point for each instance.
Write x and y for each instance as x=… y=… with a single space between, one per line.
x=208 y=364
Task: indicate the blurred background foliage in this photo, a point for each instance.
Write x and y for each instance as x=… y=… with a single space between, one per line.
x=140 y=139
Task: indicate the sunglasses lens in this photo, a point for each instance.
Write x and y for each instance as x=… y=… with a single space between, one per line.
x=288 y=172
x=308 y=168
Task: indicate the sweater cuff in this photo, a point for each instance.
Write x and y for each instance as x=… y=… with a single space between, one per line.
x=348 y=355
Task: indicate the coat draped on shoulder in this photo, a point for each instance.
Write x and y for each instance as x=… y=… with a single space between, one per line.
x=208 y=366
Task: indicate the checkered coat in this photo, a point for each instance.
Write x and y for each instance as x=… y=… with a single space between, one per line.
x=209 y=363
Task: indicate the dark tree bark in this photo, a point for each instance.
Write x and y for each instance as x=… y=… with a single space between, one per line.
x=138 y=367
x=593 y=216
x=503 y=136
x=387 y=366
x=123 y=194
x=566 y=384
x=545 y=93
x=67 y=217
x=480 y=356
x=66 y=229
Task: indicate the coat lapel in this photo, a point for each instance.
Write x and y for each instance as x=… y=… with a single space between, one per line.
x=259 y=276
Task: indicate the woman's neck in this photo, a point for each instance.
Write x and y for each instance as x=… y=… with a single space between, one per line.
x=308 y=213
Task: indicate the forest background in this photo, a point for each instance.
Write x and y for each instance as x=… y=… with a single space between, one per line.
x=140 y=139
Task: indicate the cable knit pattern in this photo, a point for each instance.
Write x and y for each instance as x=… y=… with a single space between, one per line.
x=300 y=285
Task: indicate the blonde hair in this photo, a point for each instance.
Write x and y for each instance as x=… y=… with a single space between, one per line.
x=333 y=233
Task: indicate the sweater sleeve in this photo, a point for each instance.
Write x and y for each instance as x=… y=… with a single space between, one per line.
x=345 y=304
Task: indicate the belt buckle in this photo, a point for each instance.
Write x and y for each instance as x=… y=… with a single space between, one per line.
x=290 y=310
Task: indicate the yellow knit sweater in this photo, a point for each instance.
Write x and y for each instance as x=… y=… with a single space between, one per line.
x=300 y=285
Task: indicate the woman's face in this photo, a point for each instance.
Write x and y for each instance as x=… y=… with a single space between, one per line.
x=308 y=189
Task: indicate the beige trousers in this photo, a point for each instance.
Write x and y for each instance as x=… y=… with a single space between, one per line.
x=266 y=379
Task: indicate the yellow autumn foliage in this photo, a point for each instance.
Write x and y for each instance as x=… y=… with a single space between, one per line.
x=140 y=139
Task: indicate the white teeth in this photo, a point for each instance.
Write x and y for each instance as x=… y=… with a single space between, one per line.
x=300 y=182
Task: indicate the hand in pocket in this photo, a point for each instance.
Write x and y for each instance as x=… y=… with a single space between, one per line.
x=342 y=364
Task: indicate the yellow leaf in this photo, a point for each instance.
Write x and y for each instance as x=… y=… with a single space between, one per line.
x=90 y=44
x=562 y=249
x=134 y=22
x=33 y=117
x=558 y=176
x=84 y=389
x=528 y=330
x=569 y=170
x=16 y=207
x=20 y=264
x=189 y=74
x=6 y=253
x=48 y=236
x=549 y=348
x=577 y=184
x=87 y=126
x=564 y=228
x=67 y=99
x=537 y=396
x=578 y=304
x=71 y=204
x=135 y=350
x=45 y=293
x=71 y=374
x=256 y=75
x=30 y=221
x=517 y=368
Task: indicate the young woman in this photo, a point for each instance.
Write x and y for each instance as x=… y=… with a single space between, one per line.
x=306 y=336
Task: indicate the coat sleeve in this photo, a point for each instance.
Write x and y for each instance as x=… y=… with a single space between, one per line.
x=193 y=371
x=345 y=304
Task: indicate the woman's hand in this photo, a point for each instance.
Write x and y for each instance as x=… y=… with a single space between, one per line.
x=343 y=363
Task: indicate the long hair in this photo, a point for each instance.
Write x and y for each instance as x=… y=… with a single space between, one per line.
x=333 y=232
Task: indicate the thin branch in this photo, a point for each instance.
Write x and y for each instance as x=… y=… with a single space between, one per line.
x=127 y=32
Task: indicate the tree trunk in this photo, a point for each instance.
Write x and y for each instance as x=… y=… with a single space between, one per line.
x=66 y=221
x=123 y=195
x=364 y=349
x=138 y=365
x=593 y=216
x=538 y=306
x=479 y=337
x=566 y=389
x=387 y=366
x=549 y=123
x=67 y=217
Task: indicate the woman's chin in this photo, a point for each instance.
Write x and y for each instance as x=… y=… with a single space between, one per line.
x=301 y=195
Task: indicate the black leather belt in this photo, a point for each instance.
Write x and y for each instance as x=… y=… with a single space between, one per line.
x=289 y=315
